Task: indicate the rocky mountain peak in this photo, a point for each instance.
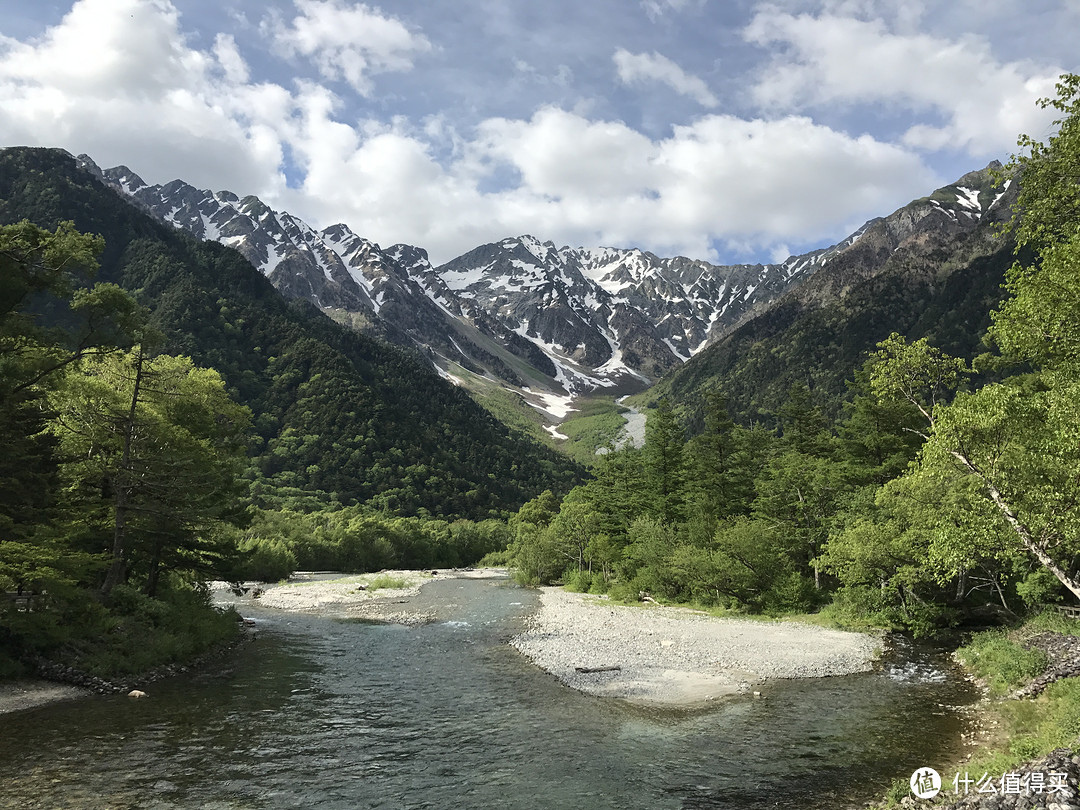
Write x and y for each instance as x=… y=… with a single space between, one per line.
x=569 y=319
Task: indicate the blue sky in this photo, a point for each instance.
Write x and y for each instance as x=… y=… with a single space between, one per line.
x=730 y=131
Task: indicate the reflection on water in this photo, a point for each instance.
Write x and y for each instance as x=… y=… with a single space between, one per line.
x=320 y=713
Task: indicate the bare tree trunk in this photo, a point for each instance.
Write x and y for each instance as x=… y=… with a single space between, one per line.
x=1023 y=532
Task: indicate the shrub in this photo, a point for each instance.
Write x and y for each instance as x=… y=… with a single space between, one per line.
x=600 y=584
x=388 y=581
x=140 y=632
x=495 y=559
x=858 y=607
x=1038 y=588
x=578 y=581
x=265 y=560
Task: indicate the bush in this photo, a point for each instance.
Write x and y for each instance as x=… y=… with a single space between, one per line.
x=495 y=559
x=578 y=581
x=140 y=632
x=10 y=668
x=388 y=581
x=265 y=560
x=600 y=584
x=858 y=607
x=790 y=593
x=1038 y=588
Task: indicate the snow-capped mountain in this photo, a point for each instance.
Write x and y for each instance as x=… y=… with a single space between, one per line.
x=555 y=321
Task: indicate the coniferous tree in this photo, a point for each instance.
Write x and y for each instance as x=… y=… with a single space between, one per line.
x=663 y=457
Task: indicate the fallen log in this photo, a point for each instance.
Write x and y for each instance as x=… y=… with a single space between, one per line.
x=588 y=670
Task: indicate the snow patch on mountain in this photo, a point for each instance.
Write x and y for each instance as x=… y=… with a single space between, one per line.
x=520 y=309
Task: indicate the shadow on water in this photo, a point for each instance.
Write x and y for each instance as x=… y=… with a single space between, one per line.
x=325 y=713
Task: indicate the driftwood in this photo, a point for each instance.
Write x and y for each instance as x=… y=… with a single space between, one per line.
x=587 y=670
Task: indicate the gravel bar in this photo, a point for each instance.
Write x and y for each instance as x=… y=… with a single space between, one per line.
x=677 y=656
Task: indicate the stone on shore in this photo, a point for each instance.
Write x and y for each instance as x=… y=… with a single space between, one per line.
x=676 y=656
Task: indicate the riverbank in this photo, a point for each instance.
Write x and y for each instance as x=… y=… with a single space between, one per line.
x=676 y=656
x=15 y=696
x=377 y=597
x=1023 y=729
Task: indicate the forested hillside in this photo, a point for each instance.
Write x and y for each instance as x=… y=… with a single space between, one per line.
x=934 y=280
x=338 y=418
x=944 y=489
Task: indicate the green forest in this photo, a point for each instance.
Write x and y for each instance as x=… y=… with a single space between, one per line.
x=167 y=419
x=937 y=491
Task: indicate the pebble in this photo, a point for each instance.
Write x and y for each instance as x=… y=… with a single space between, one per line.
x=1064 y=654
x=664 y=653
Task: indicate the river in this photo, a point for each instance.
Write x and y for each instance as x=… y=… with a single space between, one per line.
x=325 y=713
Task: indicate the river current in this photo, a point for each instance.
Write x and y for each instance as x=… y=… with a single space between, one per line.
x=327 y=713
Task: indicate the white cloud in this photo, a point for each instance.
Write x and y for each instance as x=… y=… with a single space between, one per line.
x=350 y=42
x=656 y=9
x=645 y=67
x=119 y=79
x=236 y=70
x=750 y=184
x=831 y=59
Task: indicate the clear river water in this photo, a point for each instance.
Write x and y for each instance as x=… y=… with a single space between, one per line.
x=329 y=713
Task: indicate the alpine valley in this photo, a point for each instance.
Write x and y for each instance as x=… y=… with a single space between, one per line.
x=554 y=324
x=881 y=437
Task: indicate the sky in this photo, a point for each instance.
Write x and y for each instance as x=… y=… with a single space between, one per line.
x=727 y=130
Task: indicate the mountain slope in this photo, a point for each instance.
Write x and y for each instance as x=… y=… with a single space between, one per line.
x=336 y=412
x=520 y=311
x=932 y=269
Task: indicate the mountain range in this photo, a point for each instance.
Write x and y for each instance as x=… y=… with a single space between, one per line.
x=338 y=416
x=550 y=322
x=933 y=269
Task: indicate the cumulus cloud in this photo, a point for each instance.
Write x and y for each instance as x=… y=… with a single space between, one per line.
x=117 y=79
x=120 y=80
x=749 y=184
x=635 y=68
x=350 y=42
x=236 y=69
x=833 y=59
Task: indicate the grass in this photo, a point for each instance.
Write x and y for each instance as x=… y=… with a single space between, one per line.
x=596 y=423
x=509 y=408
x=389 y=581
x=1020 y=730
x=1001 y=663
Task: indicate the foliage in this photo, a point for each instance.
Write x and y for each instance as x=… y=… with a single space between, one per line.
x=141 y=632
x=732 y=518
x=1013 y=445
x=265 y=559
x=387 y=581
x=356 y=540
x=155 y=451
x=337 y=415
x=1045 y=214
x=1002 y=663
x=118 y=469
